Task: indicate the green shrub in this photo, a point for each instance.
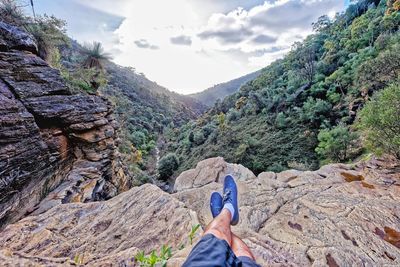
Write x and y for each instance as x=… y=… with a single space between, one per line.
x=337 y=144
x=199 y=137
x=137 y=138
x=315 y=110
x=233 y=115
x=167 y=165
x=280 y=120
x=154 y=259
x=380 y=121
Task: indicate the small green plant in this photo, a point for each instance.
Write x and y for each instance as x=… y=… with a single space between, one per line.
x=193 y=233
x=152 y=259
x=79 y=259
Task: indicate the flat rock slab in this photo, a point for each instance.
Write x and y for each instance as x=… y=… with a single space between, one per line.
x=341 y=215
x=99 y=233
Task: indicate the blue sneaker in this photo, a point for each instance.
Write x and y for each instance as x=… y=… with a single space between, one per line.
x=216 y=204
x=230 y=196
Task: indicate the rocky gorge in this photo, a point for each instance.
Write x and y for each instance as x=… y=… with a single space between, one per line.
x=65 y=199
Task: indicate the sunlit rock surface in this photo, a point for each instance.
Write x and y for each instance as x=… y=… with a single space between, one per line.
x=340 y=215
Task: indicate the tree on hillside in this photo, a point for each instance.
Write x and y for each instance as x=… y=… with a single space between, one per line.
x=379 y=72
x=93 y=62
x=167 y=165
x=380 y=121
x=322 y=23
x=337 y=144
x=304 y=56
x=94 y=56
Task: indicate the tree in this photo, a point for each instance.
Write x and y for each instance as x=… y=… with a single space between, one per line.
x=137 y=138
x=315 y=110
x=322 y=24
x=380 y=121
x=167 y=165
x=222 y=122
x=304 y=58
x=379 y=72
x=337 y=144
x=199 y=137
x=94 y=56
x=280 y=120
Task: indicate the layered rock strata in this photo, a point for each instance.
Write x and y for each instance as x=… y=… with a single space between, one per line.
x=50 y=139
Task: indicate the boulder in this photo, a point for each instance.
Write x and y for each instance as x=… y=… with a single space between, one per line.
x=211 y=170
x=12 y=37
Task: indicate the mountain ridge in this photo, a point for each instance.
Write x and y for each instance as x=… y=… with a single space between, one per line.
x=217 y=92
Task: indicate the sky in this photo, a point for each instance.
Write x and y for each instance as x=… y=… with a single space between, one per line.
x=190 y=45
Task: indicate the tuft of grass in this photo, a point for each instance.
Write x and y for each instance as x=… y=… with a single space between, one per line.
x=79 y=259
x=193 y=233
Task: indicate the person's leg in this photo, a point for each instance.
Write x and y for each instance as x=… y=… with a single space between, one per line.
x=220 y=227
x=240 y=248
x=214 y=247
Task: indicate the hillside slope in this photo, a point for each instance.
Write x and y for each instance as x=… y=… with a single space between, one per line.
x=209 y=96
x=301 y=110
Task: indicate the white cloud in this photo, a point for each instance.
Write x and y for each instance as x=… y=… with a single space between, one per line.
x=189 y=45
x=181 y=40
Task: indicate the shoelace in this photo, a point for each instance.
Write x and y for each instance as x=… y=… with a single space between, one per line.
x=227 y=196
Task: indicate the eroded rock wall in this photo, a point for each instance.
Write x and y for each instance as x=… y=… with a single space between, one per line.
x=51 y=141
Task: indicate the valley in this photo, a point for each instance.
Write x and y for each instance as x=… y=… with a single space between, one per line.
x=100 y=166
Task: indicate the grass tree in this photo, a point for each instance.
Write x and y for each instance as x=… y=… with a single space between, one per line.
x=94 y=56
x=93 y=62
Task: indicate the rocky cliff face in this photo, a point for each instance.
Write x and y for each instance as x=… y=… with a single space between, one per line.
x=340 y=215
x=53 y=144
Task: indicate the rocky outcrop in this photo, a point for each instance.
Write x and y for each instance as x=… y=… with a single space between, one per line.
x=50 y=139
x=340 y=215
x=99 y=233
x=211 y=170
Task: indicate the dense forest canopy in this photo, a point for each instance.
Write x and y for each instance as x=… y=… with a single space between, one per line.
x=303 y=109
